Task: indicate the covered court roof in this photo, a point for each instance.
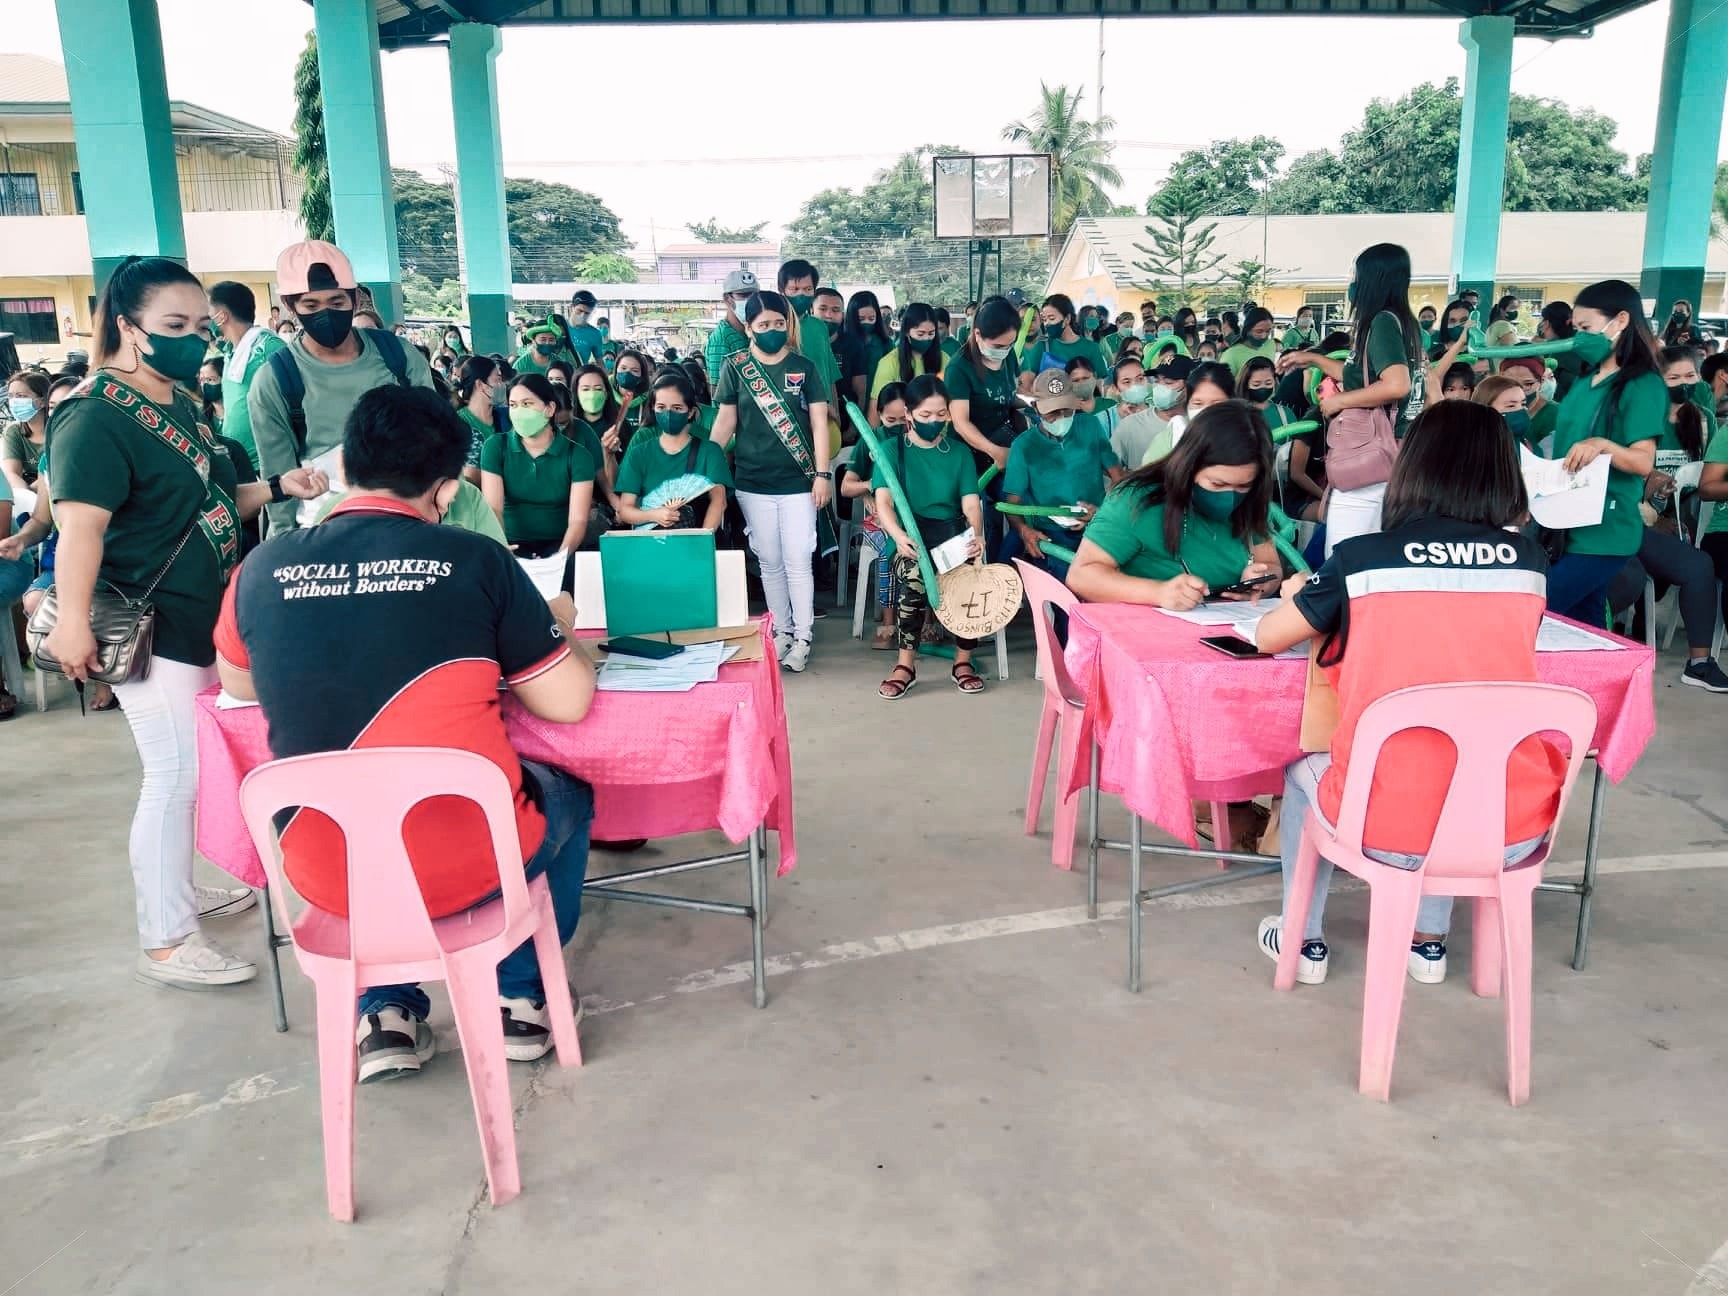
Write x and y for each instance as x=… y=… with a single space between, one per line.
x=418 y=22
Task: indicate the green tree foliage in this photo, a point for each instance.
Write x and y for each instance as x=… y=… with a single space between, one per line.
x=1404 y=158
x=552 y=228
x=1226 y=179
x=425 y=226
x=606 y=267
x=1180 y=265
x=424 y=299
x=1719 y=204
x=883 y=234
x=311 y=161
x=712 y=231
x=1080 y=150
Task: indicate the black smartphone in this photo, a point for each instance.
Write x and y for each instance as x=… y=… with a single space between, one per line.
x=1232 y=646
x=652 y=649
x=1249 y=586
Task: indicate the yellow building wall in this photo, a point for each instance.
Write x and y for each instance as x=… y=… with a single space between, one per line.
x=72 y=296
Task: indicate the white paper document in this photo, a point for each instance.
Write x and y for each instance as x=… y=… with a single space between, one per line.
x=697 y=664
x=546 y=573
x=1244 y=615
x=952 y=553
x=331 y=462
x=1561 y=499
x=226 y=701
x=1562 y=636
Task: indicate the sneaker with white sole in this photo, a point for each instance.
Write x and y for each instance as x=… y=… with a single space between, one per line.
x=1311 y=967
x=1428 y=962
x=799 y=657
x=782 y=645
x=392 y=1043
x=527 y=1033
x=195 y=964
x=1705 y=674
x=220 y=902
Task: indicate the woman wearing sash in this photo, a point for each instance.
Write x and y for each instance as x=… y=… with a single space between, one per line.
x=774 y=401
x=142 y=493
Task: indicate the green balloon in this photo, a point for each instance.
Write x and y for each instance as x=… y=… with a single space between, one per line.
x=902 y=509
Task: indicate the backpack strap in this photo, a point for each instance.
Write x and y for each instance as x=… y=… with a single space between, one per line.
x=391 y=352
x=293 y=388
x=691 y=452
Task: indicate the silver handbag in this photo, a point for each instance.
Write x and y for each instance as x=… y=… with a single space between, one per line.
x=124 y=628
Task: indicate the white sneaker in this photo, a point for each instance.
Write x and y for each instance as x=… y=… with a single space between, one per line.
x=527 y=1030
x=220 y=902
x=799 y=656
x=195 y=964
x=782 y=645
x=1428 y=962
x=1311 y=967
x=392 y=1044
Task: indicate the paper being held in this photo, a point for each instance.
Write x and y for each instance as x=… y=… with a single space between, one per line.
x=1562 y=499
x=952 y=553
x=330 y=463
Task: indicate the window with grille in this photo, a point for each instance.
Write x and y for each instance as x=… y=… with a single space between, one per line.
x=20 y=194
x=692 y=269
x=30 y=319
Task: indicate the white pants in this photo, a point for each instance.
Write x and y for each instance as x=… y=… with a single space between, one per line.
x=1351 y=513
x=782 y=531
x=164 y=723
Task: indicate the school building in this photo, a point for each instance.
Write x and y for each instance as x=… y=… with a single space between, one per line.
x=237 y=188
x=1543 y=256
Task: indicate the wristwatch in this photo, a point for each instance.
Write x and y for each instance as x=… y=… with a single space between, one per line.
x=277 y=494
x=825 y=476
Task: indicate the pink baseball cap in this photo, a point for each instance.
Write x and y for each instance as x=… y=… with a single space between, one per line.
x=312 y=266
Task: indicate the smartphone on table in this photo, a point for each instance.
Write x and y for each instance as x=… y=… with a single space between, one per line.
x=652 y=649
x=1232 y=646
x=1249 y=586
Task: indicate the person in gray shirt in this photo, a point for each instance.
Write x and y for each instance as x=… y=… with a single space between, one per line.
x=335 y=362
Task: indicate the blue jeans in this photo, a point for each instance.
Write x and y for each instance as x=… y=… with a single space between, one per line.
x=1301 y=784
x=1578 y=586
x=15 y=577
x=568 y=804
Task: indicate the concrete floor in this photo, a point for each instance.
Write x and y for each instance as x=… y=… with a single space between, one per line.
x=950 y=1091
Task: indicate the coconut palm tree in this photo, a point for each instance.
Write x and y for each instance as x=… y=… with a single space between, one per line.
x=1079 y=150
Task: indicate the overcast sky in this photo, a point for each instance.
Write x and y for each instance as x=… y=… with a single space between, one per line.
x=645 y=118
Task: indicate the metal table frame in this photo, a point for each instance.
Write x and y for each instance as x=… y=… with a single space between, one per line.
x=1260 y=865
x=755 y=855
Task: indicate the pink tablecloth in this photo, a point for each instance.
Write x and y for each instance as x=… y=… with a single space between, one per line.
x=661 y=764
x=1178 y=722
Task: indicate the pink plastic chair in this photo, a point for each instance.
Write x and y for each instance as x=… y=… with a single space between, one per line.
x=388 y=938
x=1063 y=703
x=1484 y=722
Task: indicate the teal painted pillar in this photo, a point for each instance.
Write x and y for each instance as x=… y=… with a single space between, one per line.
x=480 y=215
x=360 y=195
x=1481 y=153
x=125 y=136
x=1683 y=169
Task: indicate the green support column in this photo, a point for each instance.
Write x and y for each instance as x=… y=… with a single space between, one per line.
x=480 y=211
x=1481 y=153
x=1683 y=170
x=123 y=130
x=360 y=194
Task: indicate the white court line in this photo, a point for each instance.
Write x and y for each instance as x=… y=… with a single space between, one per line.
x=90 y=1132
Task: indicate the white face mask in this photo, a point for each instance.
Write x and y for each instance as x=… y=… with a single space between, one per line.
x=1549 y=386
x=1058 y=425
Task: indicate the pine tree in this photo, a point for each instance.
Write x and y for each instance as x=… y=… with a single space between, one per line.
x=1181 y=251
x=311 y=160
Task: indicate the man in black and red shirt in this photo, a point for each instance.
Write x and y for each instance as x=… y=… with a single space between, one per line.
x=380 y=628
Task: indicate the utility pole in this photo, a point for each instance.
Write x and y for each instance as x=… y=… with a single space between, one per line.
x=1100 y=71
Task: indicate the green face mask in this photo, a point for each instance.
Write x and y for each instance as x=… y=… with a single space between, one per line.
x=770 y=341
x=671 y=422
x=995 y=354
x=592 y=402
x=920 y=345
x=1217 y=506
x=177 y=358
x=802 y=302
x=545 y=349
x=1137 y=393
x=528 y=422
x=1592 y=348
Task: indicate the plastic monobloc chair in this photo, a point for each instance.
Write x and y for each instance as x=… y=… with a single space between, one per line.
x=388 y=937
x=862 y=602
x=1063 y=704
x=1484 y=722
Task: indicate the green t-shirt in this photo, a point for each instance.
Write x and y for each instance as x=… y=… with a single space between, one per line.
x=1043 y=470
x=936 y=480
x=536 y=487
x=528 y=360
x=1717 y=453
x=1295 y=339
x=15 y=443
x=950 y=347
x=243 y=365
x=1386 y=350
x=1640 y=413
x=888 y=369
x=1063 y=352
x=990 y=395
x=103 y=457
x=480 y=431
x=761 y=464
x=815 y=346
x=1543 y=422
x=647 y=464
x=587 y=435
x=1134 y=537
x=469 y=511
x=1244 y=351
x=722 y=342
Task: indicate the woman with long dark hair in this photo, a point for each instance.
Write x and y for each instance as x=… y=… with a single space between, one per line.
x=1059 y=341
x=540 y=484
x=1555 y=325
x=144 y=497
x=864 y=340
x=918 y=352
x=1193 y=522
x=1443 y=594
x=483 y=392
x=982 y=381
x=1384 y=371
x=1621 y=411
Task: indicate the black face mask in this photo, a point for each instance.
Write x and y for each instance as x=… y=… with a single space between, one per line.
x=329 y=327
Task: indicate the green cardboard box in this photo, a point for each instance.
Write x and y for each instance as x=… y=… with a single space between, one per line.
x=657 y=580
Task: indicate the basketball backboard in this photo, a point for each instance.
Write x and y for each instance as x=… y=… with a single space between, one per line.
x=992 y=196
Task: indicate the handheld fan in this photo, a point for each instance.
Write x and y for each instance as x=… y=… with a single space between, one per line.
x=675 y=493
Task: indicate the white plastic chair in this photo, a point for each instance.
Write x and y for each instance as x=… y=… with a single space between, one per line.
x=861 y=600
x=12 y=665
x=848 y=530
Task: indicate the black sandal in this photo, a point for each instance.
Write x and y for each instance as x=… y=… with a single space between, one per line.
x=970 y=682
x=8 y=703
x=900 y=688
